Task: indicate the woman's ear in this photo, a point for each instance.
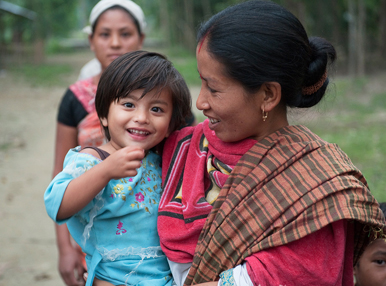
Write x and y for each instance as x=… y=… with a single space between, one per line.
x=272 y=95
x=104 y=122
x=141 y=39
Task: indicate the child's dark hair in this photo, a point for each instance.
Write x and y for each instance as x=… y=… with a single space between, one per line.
x=383 y=208
x=143 y=70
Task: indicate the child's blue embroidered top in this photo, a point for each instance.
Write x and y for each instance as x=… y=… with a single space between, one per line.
x=118 y=229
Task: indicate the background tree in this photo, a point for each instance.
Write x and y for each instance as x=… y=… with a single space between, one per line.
x=357 y=28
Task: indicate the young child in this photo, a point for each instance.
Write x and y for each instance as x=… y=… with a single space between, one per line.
x=109 y=196
x=370 y=269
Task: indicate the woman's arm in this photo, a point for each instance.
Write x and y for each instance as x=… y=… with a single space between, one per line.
x=69 y=258
x=324 y=257
x=70 y=264
x=66 y=138
x=321 y=258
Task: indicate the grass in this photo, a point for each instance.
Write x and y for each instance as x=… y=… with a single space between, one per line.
x=354 y=117
x=185 y=62
x=43 y=74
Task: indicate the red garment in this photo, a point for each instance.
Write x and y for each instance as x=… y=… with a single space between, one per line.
x=283 y=197
x=331 y=247
x=89 y=129
x=185 y=212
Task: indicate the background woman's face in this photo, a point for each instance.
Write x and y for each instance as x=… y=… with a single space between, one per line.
x=115 y=34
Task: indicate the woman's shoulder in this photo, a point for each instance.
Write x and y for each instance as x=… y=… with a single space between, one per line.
x=84 y=91
x=186 y=131
x=83 y=83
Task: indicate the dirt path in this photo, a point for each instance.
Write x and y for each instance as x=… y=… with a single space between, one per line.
x=28 y=254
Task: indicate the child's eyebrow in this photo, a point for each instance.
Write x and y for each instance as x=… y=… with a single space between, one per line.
x=154 y=101
x=159 y=101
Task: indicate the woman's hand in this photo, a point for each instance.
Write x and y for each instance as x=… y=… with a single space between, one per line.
x=70 y=267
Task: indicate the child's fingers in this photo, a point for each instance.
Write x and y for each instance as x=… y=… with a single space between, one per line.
x=134 y=153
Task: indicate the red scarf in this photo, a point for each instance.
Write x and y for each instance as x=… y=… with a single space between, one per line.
x=185 y=208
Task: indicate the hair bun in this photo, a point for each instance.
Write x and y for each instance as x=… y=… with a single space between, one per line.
x=316 y=78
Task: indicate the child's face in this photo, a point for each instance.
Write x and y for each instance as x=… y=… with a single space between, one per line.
x=371 y=268
x=139 y=122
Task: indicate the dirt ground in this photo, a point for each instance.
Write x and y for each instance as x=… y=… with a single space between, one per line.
x=28 y=254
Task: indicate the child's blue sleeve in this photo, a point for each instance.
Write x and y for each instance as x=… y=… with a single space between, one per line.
x=54 y=194
x=75 y=164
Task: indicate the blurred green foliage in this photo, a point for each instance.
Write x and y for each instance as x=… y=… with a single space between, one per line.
x=42 y=75
x=354 y=116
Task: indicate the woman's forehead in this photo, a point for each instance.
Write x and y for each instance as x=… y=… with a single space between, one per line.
x=115 y=17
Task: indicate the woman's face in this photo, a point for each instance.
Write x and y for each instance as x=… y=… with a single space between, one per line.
x=233 y=114
x=115 y=34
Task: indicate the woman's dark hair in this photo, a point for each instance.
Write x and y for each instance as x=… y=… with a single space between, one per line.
x=260 y=41
x=117 y=7
x=143 y=70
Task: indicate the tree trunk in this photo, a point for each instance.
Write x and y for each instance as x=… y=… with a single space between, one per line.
x=336 y=36
x=39 y=51
x=352 y=23
x=83 y=19
x=361 y=38
x=206 y=8
x=382 y=30
x=189 y=33
x=164 y=21
x=297 y=8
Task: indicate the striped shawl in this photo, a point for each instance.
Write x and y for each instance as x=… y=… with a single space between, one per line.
x=286 y=186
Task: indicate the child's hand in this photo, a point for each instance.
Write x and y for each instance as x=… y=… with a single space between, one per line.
x=124 y=162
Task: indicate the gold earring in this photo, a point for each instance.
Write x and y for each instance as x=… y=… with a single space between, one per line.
x=265 y=115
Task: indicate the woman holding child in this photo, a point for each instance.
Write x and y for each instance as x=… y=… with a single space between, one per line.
x=249 y=199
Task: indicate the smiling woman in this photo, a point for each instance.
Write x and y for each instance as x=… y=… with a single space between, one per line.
x=246 y=196
x=219 y=104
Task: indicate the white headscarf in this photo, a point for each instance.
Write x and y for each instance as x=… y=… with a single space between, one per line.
x=103 y=5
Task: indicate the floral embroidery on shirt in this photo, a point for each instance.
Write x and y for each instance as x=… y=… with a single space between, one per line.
x=120 y=230
x=139 y=197
x=118 y=190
